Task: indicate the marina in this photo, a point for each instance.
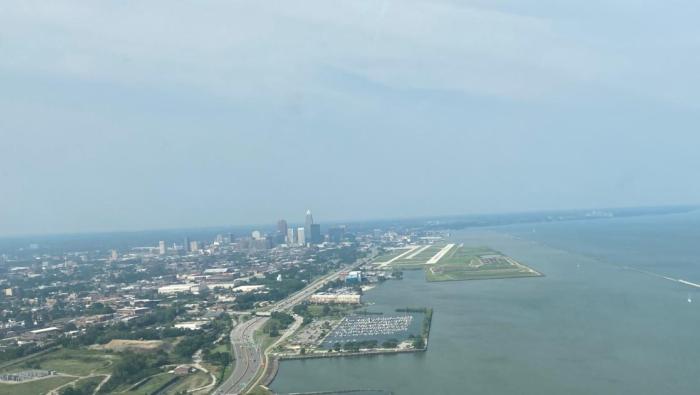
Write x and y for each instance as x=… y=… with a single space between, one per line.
x=361 y=328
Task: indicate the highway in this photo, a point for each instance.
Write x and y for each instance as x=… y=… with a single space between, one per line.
x=248 y=356
x=250 y=360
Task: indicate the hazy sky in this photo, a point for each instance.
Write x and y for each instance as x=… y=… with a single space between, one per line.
x=135 y=115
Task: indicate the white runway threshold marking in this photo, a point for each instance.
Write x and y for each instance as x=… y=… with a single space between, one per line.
x=436 y=258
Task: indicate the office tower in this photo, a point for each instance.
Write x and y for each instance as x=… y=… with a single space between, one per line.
x=308 y=222
x=301 y=237
x=337 y=234
x=194 y=245
x=186 y=244
x=282 y=226
x=161 y=247
x=315 y=235
x=290 y=236
x=230 y=237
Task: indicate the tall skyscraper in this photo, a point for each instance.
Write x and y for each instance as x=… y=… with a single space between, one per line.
x=337 y=234
x=282 y=226
x=308 y=222
x=161 y=247
x=315 y=235
x=186 y=244
x=290 y=236
x=301 y=237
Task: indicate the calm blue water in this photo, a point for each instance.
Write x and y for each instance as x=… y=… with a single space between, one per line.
x=590 y=326
x=666 y=244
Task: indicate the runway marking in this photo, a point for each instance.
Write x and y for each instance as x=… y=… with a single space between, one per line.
x=418 y=252
x=436 y=258
x=413 y=248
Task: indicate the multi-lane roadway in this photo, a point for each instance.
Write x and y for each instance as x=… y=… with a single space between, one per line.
x=250 y=358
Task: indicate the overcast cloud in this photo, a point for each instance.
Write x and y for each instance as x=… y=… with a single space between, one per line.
x=136 y=115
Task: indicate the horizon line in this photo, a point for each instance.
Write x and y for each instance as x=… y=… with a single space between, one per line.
x=690 y=207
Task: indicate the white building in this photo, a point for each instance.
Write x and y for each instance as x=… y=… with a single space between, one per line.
x=179 y=288
x=248 y=288
x=301 y=236
x=217 y=270
x=325 y=298
x=161 y=247
x=191 y=325
x=290 y=236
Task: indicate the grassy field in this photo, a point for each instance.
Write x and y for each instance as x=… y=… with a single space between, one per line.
x=192 y=381
x=88 y=384
x=36 y=387
x=77 y=362
x=391 y=254
x=149 y=386
x=264 y=339
x=223 y=347
x=74 y=362
x=476 y=263
x=221 y=372
x=260 y=390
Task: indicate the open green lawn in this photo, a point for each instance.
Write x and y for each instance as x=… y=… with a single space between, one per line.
x=77 y=362
x=151 y=385
x=429 y=252
x=88 y=384
x=192 y=381
x=223 y=347
x=221 y=372
x=36 y=387
x=264 y=339
x=476 y=263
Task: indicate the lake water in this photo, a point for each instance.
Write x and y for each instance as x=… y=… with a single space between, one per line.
x=592 y=325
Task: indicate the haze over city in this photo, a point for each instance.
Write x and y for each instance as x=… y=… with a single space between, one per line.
x=367 y=197
x=128 y=115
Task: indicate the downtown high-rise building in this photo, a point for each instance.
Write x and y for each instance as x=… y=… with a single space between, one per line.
x=336 y=234
x=308 y=222
x=301 y=237
x=315 y=235
x=290 y=236
x=282 y=226
x=161 y=247
x=186 y=244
